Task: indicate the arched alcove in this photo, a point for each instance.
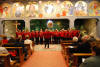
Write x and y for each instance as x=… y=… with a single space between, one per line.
x=11 y=26
x=87 y=26
x=37 y=24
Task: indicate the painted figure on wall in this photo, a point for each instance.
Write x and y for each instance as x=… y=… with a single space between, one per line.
x=94 y=8
x=5 y=10
x=67 y=8
x=18 y=10
x=1 y=10
x=32 y=9
x=48 y=9
x=80 y=8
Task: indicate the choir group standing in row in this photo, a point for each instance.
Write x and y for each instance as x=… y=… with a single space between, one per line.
x=48 y=36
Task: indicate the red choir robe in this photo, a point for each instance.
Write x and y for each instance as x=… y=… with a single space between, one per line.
x=18 y=34
x=36 y=34
x=23 y=35
x=27 y=34
x=41 y=34
x=32 y=34
x=47 y=35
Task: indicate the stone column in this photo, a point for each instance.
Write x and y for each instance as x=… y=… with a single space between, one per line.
x=27 y=23
x=71 y=22
x=1 y=27
x=98 y=28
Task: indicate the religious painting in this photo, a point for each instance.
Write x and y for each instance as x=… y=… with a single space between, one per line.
x=94 y=8
x=18 y=10
x=67 y=8
x=58 y=9
x=32 y=9
x=80 y=8
x=47 y=9
x=5 y=10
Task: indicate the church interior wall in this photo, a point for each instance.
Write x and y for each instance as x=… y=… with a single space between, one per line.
x=71 y=18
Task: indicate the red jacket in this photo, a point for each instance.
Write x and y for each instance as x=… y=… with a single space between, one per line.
x=47 y=35
x=32 y=34
x=4 y=41
x=56 y=34
x=23 y=35
x=62 y=34
x=27 y=34
x=41 y=34
x=18 y=33
x=36 y=34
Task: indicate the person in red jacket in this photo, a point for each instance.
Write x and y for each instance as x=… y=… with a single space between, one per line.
x=4 y=41
x=18 y=33
x=41 y=36
x=27 y=34
x=70 y=36
x=53 y=36
x=47 y=36
x=32 y=35
x=37 y=37
x=62 y=34
x=23 y=35
x=56 y=36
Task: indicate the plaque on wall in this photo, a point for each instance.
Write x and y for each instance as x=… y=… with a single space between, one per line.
x=80 y=8
x=94 y=8
x=67 y=8
x=32 y=9
x=18 y=10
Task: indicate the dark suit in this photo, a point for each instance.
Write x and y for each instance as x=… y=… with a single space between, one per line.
x=91 y=62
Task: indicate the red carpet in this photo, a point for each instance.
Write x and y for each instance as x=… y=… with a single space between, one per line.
x=45 y=59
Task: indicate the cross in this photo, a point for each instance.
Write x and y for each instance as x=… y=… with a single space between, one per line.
x=16 y=24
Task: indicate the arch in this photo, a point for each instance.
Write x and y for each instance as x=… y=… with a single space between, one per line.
x=94 y=8
x=37 y=24
x=67 y=8
x=80 y=8
x=87 y=25
x=18 y=10
x=12 y=26
x=32 y=9
x=5 y=10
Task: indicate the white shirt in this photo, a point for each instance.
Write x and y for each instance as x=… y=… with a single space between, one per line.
x=3 y=50
x=27 y=41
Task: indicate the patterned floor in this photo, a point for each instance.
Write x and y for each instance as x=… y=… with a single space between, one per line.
x=45 y=59
x=52 y=47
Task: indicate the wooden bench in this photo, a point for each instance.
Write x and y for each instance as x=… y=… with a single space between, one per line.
x=6 y=58
x=20 y=50
x=76 y=55
x=65 y=43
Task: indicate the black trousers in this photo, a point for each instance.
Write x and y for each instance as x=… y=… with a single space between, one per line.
x=37 y=40
x=41 y=40
x=47 y=42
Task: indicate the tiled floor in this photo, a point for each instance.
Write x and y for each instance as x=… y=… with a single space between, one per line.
x=45 y=59
x=52 y=47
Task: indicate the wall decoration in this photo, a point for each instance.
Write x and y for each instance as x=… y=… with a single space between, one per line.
x=50 y=24
x=94 y=8
x=18 y=10
x=67 y=8
x=48 y=9
x=80 y=8
x=32 y=9
x=5 y=10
